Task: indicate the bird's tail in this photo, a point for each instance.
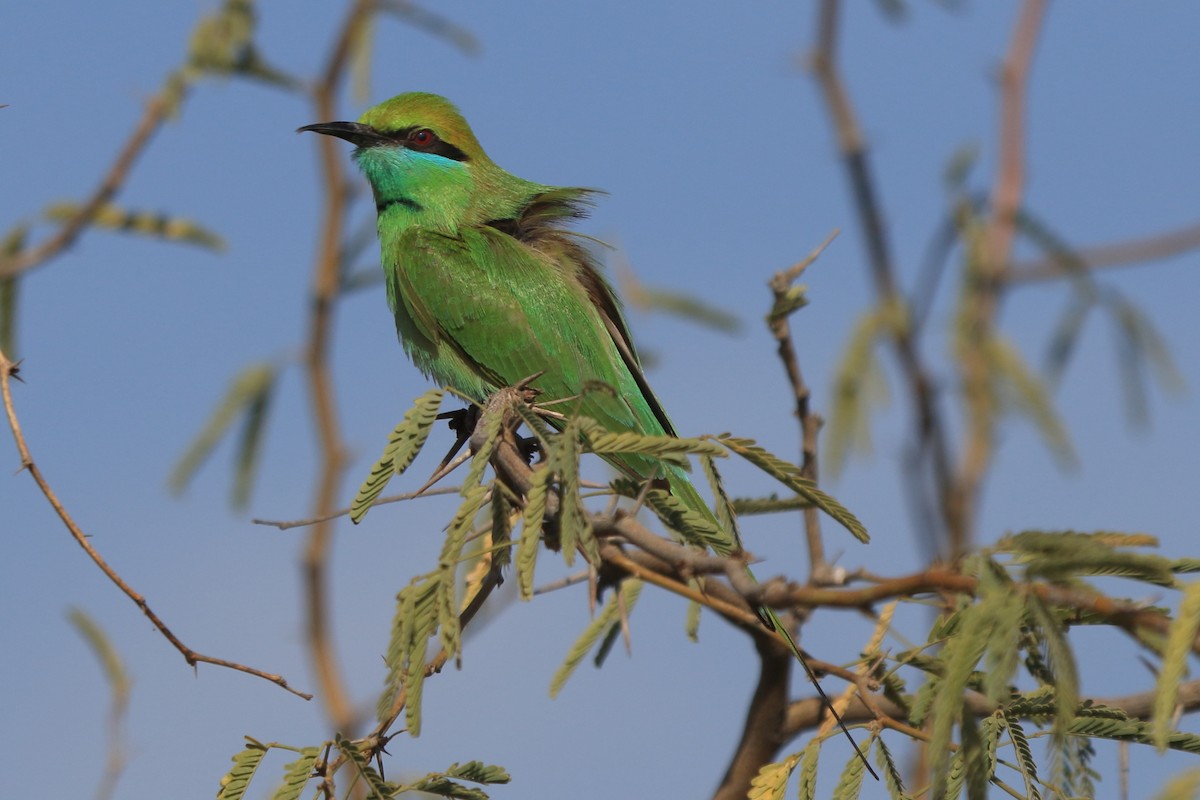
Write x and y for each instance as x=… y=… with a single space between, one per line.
x=685 y=491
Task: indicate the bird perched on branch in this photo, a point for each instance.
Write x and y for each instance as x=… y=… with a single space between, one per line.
x=488 y=286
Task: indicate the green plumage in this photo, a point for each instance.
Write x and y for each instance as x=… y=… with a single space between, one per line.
x=488 y=287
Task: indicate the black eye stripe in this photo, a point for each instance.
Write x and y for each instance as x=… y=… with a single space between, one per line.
x=441 y=147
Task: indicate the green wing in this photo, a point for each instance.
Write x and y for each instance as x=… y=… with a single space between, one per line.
x=483 y=310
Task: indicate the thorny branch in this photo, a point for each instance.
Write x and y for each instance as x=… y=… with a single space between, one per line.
x=8 y=370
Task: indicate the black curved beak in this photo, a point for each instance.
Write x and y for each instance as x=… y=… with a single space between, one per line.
x=354 y=132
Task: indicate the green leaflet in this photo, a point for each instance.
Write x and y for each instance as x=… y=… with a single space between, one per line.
x=609 y=615
x=10 y=247
x=456 y=536
x=297 y=775
x=415 y=621
x=445 y=783
x=1132 y=730
x=771 y=781
x=1026 y=764
x=531 y=530
x=100 y=644
x=1061 y=661
x=747 y=506
x=574 y=523
x=1180 y=637
x=666 y=448
x=378 y=787
x=405 y=442
x=891 y=775
x=859 y=387
x=789 y=475
x=849 y=784
x=141 y=223
x=245 y=764
x=691 y=526
x=249 y=393
x=961 y=653
x=808 y=770
x=725 y=512
x=1028 y=394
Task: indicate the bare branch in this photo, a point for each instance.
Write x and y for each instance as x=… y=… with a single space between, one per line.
x=332 y=451
x=932 y=442
x=8 y=370
x=1116 y=254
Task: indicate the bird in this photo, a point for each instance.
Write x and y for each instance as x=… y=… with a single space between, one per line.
x=488 y=285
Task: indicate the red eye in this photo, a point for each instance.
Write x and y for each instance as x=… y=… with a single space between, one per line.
x=422 y=138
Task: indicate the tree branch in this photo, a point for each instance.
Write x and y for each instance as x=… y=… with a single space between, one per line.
x=932 y=442
x=325 y=289
x=8 y=370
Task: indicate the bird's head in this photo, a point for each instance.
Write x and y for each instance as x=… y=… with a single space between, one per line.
x=417 y=151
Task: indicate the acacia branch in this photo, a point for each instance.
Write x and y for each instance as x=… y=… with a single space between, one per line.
x=981 y=306
x=152 y=119
x=781 y=284
x=8 y=370
x=1116 y=254
x=932 y=446
x=332 y=451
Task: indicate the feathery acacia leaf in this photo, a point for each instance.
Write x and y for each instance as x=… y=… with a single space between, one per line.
x=245 y=764
x=771 y=781
x=141 y=223
x=749 y=506
x=415 y=621
x=379 y=789
x=249 y=393
x=690 y=525
x=1029 y=396
x=789 y=475
x=10 y=247
x=445 y=784
x=101 y=645
x=961 y=653
x=297 y=775
x=1026 y=764
x=849 y=784
x=456 y=536
x=1180 y=638
x=531 y=530
x=808 y=770
x=725 y=512
x=404 y=443
x=1061 y=661
x=858 y=387
x=629 y=590
x=891 y=774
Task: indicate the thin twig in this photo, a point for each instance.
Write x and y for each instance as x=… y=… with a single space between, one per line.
x=8 y=370
x=284 y=525
x=810 y=423
x=152 y=119
x=1116 y=254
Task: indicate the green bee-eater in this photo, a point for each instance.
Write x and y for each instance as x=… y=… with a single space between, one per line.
x=488 y=287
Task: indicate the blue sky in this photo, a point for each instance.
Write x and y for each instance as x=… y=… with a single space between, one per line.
x=720 y=167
